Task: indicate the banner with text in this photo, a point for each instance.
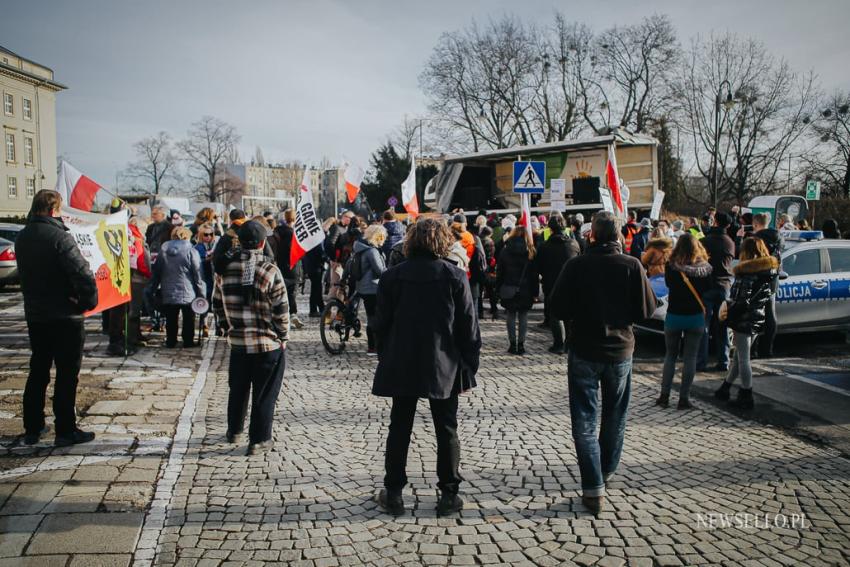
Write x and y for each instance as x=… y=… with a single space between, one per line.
x=102 y=239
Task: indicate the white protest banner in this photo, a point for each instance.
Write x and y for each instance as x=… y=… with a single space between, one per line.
x=307 y=229
x=557 y=194
x=655 y=213
x=605 y=199
x=102 y=240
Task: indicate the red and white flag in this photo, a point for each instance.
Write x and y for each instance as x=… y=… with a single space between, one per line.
x=408 y=191
x=525 y=216
x=307 y=231
x=77 y=190
x=353 y=176
x=613 y=178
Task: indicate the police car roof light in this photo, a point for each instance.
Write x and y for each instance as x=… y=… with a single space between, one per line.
x=802 y=235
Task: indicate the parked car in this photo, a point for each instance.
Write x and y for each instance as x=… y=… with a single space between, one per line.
x=8 y=263
x=10 y=231
x=814 y=288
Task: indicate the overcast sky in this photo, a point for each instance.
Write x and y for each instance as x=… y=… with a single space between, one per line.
x=314 y=78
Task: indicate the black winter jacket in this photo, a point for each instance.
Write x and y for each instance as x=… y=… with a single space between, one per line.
x=552 y=256
x=56 y=280
x=427 y=330
x=513 y=259
x=721 y=253
x=601 y=294
x=681 y=300
x=395 y=234
x=755 y=281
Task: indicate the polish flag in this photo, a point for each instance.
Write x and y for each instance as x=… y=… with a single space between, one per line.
x=525 y=217
x=307 y=231
x=613 y=179
x=77 y=190
x=408 y=191
x=353 y=176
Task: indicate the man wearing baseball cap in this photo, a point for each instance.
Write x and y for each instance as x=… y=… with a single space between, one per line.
x=252 y=307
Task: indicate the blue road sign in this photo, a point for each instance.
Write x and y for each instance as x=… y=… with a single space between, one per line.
x=529 y=176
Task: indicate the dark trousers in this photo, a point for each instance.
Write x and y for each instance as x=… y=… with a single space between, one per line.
x=444 y=413
x=171 y=313
x=60 y=341
x=260 y=375
x=317 y=304
x=370 y=304
x=290 y=296
x=475 y=289
x=494 y=300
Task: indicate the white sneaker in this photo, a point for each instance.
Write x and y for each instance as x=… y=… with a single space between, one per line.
x=296 y=322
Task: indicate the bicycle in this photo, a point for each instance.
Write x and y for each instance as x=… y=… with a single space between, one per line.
x=338 y=323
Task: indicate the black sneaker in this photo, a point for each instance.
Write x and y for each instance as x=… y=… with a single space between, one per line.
x=233 y=437
x=259 y=448
x=512 y=349
x=685 y=404
x=449 y=504
x=722 y=393
x=33 y=438
x=520 y=349
x=663 y=400
x=75 y=438
x=556 y=349
x=391 y=501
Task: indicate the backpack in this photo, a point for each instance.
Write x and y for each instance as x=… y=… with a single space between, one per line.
x=355 y=266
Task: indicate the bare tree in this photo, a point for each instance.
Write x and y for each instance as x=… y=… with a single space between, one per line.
x=831 y=159
x=744 y=144
x=628 y=74
x=156 y=162
x=210 y=143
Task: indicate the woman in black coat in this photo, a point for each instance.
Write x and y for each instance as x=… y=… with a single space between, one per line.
x=517 y=284
x=428 y=347
x=746 y=312
x=554 y=253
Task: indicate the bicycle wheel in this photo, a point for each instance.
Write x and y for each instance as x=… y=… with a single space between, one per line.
x=332 y=327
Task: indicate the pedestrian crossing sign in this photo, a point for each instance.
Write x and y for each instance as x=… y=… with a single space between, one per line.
x=529 y=176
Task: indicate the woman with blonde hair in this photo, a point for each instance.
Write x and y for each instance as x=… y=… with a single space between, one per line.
x=687 y=275
x=517 y=285
x=365 y=267
x=746 y=312
x=203 y=216
x=177 y=273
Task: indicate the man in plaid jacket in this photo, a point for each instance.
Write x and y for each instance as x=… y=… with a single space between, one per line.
x=252 y=306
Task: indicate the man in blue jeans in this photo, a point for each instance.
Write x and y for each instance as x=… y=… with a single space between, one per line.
x=600 y=295
x=721 y=253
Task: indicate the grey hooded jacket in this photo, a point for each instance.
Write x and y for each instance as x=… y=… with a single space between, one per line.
x=177 y=271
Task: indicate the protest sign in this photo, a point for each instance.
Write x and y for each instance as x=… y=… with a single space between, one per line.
x=102 y=240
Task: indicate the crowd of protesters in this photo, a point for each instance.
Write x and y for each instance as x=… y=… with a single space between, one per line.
x=594 y=279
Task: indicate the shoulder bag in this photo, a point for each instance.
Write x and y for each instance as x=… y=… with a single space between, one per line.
x=509 y=291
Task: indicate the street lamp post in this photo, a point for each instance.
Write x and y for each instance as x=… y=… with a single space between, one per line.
x=728 y=104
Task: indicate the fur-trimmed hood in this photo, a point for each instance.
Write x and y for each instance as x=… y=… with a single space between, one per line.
x=661 y=244
x=698 y=270
x=763 y=264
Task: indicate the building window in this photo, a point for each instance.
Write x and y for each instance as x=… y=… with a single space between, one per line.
x=30 y=187
x=10 y=147
x=13 y=187
x=28 y=153
x=8 y=104
x=27 y=106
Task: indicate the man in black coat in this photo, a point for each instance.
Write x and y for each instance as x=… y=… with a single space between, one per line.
x=428 y=347
x=58 y=287
x=721 y=253
x=601 y=294
x=553 y=254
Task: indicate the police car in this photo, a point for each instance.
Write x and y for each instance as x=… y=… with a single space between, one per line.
x=814 y=289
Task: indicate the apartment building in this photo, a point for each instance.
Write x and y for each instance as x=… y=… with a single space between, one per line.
x=28 y=123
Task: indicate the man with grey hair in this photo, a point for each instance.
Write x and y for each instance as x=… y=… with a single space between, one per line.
x=159 y=230
x=600 y=295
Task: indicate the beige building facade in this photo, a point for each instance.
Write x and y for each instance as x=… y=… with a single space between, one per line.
x=28 y=124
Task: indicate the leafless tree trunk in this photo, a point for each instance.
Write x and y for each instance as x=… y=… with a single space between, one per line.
x=156 y=161
x=830 y=161
x=209 y=144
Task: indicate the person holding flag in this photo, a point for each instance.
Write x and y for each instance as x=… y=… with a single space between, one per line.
x=408 y=191
x=612 y=177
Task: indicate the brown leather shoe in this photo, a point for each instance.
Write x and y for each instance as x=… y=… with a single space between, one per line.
x=594 y=504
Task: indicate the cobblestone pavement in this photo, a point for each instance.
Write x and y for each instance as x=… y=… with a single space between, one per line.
x=85 y=505
x=311 y=500
x=136 y=497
